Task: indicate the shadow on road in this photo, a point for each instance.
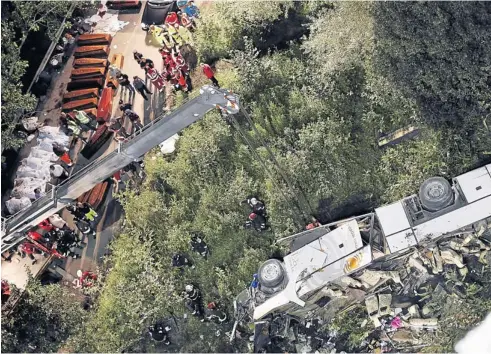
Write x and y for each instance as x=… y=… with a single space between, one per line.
x=114 y=211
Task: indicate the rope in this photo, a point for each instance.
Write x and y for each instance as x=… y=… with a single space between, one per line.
x=261 y=161
x=281 y=171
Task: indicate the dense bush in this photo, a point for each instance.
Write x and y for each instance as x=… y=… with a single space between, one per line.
x=43 y=319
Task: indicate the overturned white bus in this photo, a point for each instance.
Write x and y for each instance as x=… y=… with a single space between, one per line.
x=331 y=251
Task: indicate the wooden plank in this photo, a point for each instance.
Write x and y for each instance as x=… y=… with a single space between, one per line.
x=397 y=136
x=80 y=104
x=85 y=73
x=97 y=194
x=84 y=197
x=99 y=138
x=92 y=51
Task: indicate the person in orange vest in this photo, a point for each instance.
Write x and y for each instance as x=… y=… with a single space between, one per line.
x=207 y=70
x=62 y=153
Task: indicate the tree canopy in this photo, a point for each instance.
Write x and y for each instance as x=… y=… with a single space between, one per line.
x=20 y=18
x=43 y=319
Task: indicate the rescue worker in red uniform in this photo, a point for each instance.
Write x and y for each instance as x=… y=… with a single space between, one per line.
x=315 y=223
x=28 y=249
x=155 y=77
x=86 y=278
x=208 y=71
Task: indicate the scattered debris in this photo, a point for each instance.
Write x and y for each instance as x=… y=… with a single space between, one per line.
x=404 y=336
x=398 y=299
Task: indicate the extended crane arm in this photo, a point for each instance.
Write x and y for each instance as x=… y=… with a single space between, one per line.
x=151 y=135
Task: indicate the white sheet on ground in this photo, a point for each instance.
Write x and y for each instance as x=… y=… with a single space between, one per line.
x=34 y=163
x=53 y=134
x=169 y=146
x=34 y=170
x=109 y=23
x=26 y=171
x=43 y=154
x=14 y=205
x=46 y=146
x=24 y=187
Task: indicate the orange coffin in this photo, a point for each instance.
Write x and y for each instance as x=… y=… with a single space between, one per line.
x=81 y=94
x=104 y=109
x=85 y=83
x=92 y=51
x=94 y=38
x=87 y=73
x=90 y=63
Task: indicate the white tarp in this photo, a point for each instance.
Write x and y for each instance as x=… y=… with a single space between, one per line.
x=43 y=154
x=34 y=170
x=24 y=187
x=14 y=205
x=34 y=163
x=53 y=135
x=169 y=146
x=25 y=171
x=109 y=23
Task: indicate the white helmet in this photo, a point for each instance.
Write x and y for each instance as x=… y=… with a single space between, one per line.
x=253 y=201
x=189 y=288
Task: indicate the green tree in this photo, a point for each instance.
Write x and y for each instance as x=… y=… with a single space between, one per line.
x=223 y=25
x=320 y=107
x=437 y=53
x=138 y=289
x=14 y=101
x=21 y=18
x=341 y=37
x=42 y=320
x=32 y=16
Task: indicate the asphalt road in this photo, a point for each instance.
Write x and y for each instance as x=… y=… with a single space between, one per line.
x=130 y=38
